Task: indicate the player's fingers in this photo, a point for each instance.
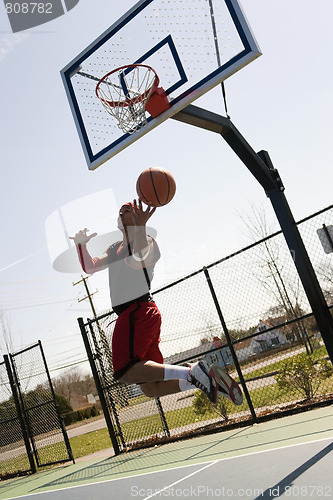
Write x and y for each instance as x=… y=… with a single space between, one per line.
x=92 y=235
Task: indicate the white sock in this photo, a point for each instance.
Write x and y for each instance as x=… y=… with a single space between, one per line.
x=173 y=372
x=184 y=385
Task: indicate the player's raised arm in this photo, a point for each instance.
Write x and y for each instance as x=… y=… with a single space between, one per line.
x=89 y=264
x=142 y=244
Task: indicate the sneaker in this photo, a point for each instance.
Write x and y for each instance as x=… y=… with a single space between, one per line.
x=227 y=386
x=204 y=378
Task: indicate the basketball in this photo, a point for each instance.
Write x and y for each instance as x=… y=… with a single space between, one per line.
x=155 y=187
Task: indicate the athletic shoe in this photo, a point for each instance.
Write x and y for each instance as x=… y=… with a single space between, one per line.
x=227 y=386
x=204 y=378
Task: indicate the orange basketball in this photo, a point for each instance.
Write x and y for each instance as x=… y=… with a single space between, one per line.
x=155 y=187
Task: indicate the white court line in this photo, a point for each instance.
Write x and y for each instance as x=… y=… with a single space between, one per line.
x=158 y=492
x=205 y=464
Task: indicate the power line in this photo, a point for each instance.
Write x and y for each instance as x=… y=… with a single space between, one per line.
x=37 y=305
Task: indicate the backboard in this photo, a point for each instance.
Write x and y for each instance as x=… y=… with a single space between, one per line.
x=193 y=45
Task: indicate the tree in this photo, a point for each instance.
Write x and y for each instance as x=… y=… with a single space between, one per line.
x=6 y=334
x=64 y=404
x=73 y=383
x=271 y=272
x=325 y=272
x=6 y=347
x=210 y=331
x=213 y=331
x=303 y=374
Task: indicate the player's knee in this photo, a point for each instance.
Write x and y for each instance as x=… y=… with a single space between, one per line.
x=133 y=375
x=150 y=389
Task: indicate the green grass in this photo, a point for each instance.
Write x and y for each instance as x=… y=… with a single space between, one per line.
x=90 y=443
x=55 y=451
x=19 y=463
x=136 y=429
x=274 y=367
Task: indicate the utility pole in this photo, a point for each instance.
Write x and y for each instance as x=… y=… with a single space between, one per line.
x=103 y=338
x=102 y=341
x=102 y=370
x=89 y=295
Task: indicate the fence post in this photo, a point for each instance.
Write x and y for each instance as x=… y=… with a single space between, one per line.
x=106 y=387
x=56 y=404
x=109 y=424
x=162 y=416
x=20 y=414
x=230 y=345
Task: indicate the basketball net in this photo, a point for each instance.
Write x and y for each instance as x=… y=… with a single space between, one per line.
x=124 y=93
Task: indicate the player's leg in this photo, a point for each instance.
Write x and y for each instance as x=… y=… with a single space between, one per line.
x=152 y=378
x=160 y=388
x=178 y=378
x=159 y=379
x=153 y=370
x=138 y=360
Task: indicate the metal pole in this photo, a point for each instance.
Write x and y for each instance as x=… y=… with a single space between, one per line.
x=219 y=124
x=56 y=404
x=162 y=416
x=99 y=389
x=230 y=345
x=20 y=414
x=302 y=261
x=262 y=169
x=107 y=386
x=22 y=400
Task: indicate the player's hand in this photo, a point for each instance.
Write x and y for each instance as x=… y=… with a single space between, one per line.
x=81 y=238
x=139 y=215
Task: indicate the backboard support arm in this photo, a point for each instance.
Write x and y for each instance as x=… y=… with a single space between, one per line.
x=261 y=167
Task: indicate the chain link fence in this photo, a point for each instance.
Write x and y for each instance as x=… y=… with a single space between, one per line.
x=32 y=432
x=15 y=452
x=248 y=312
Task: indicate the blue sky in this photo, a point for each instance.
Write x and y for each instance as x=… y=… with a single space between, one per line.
x=282 y=103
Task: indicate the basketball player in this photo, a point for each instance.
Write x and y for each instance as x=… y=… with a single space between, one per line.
x=135 y=343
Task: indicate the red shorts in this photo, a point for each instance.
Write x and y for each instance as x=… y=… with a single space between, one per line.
x=136 y=337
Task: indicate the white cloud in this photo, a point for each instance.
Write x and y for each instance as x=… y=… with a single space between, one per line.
x=8 y=43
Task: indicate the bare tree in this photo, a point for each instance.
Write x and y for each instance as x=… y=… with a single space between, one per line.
x=6 y=347
x=73 y=383
x=210 y=331
x=270 y=271
x=325 y=272
x=6 y=336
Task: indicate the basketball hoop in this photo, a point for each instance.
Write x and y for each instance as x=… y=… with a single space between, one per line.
x=125 y=93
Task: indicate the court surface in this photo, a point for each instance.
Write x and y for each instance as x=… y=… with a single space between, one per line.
x=286 y=458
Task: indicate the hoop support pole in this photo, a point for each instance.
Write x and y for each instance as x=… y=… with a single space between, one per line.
x=263 y=170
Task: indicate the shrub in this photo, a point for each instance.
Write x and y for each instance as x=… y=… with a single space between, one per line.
x=64 y=404
x=303 y=374
x=202 y=405
x=80 y=414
